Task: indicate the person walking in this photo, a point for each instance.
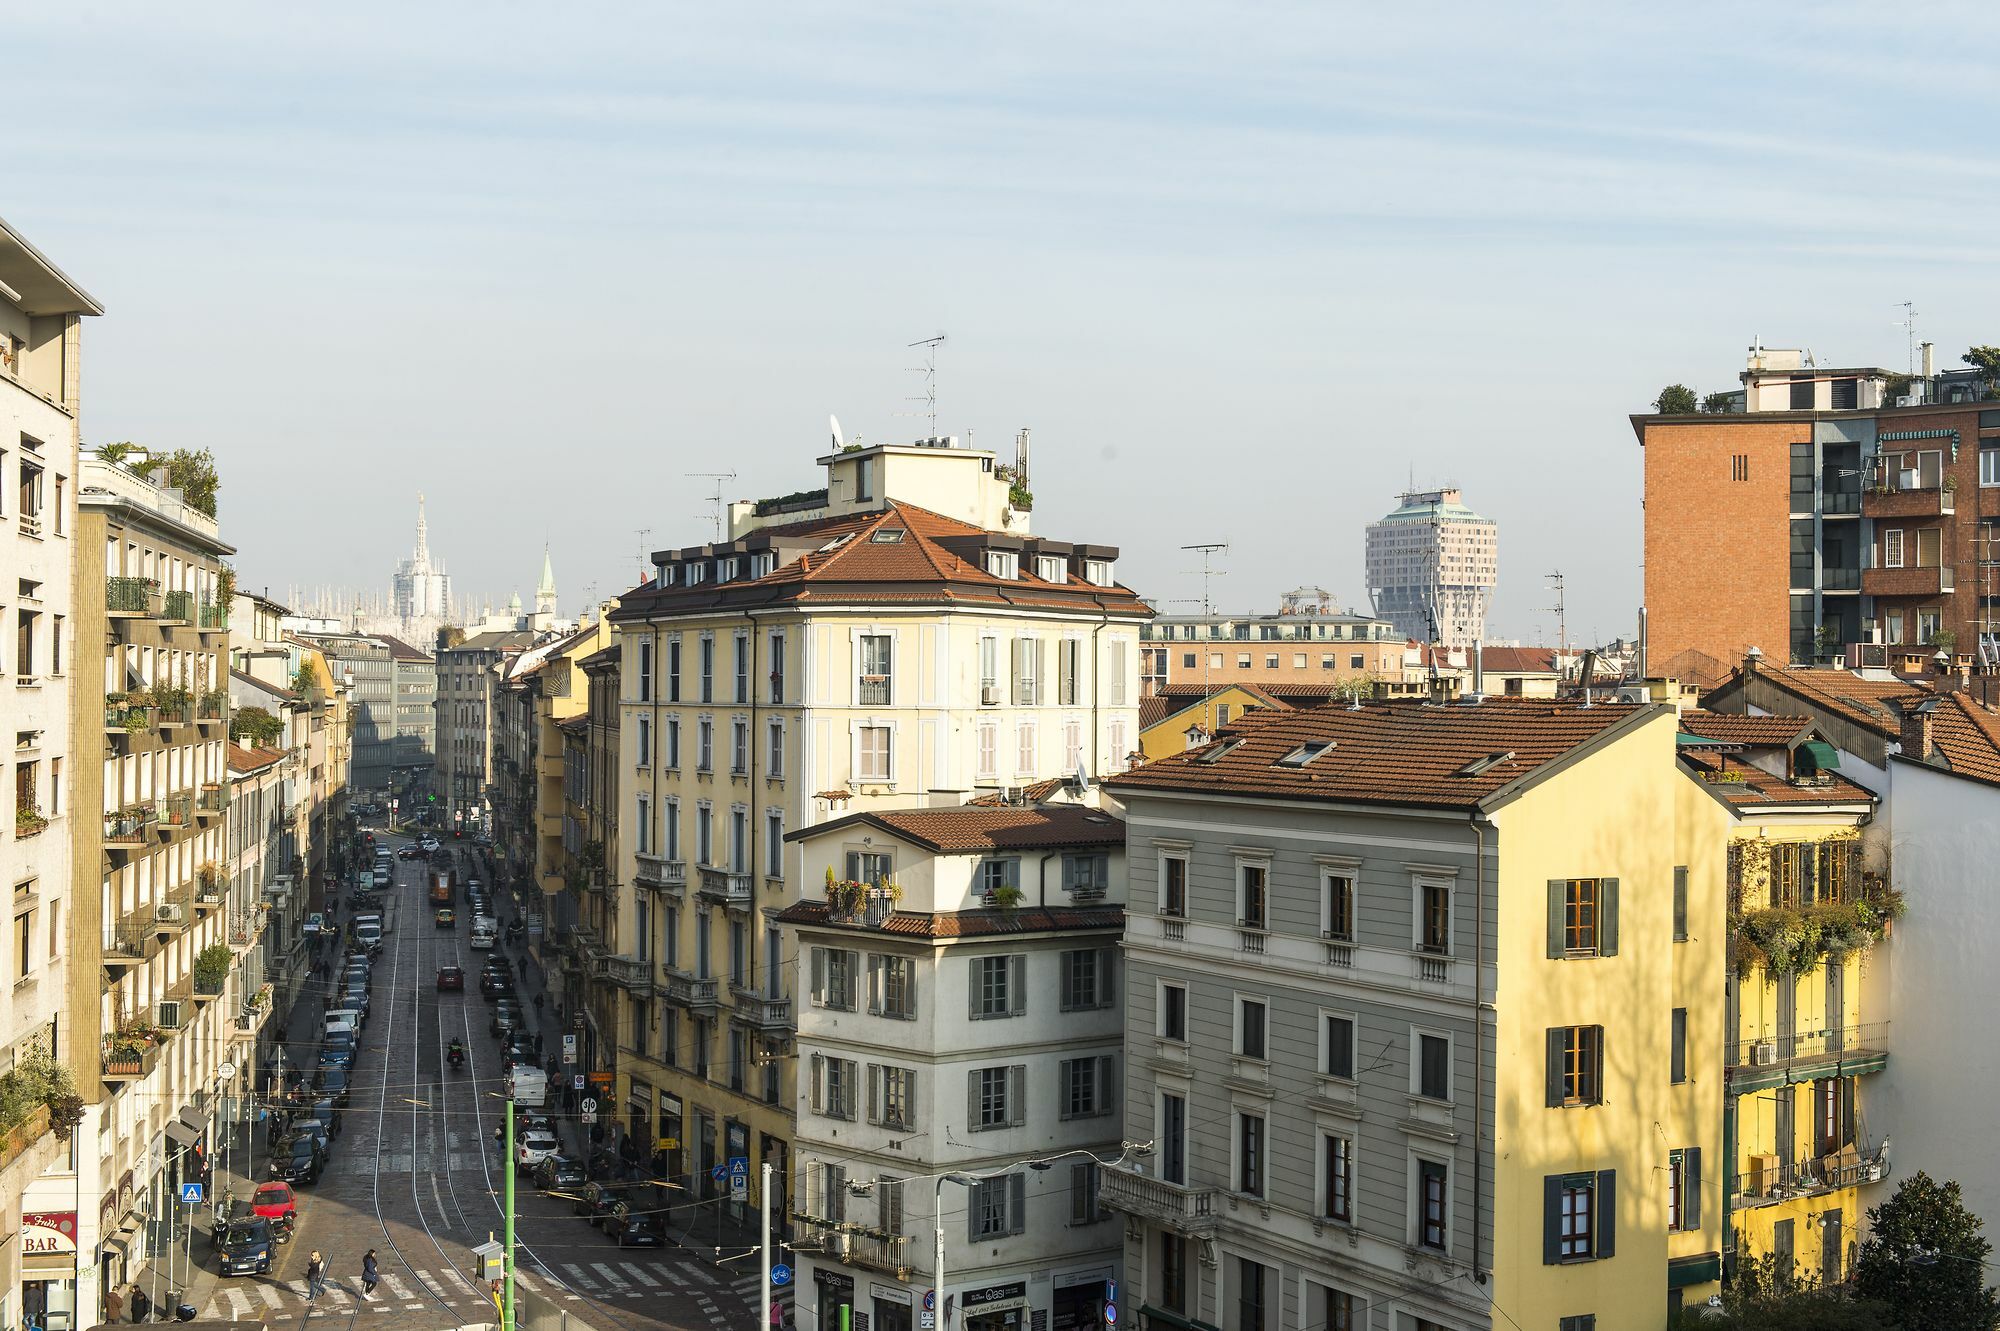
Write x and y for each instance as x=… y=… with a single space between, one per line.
x=142 y=1306
x=315 y=1275
x=114 y=1306
x=371 y=1273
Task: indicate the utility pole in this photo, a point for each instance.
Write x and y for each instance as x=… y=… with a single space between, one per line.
x=764 y=1216
x=507 y=1214
x=1555 y=581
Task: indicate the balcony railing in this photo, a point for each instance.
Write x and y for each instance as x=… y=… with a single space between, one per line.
x=178 y=607
x=631 y=973
x=131 y=941
x=1926 y=581
x=730 y=889
x=131 y=596
x=1175 y=1206
x=658 y=871
x=127 y=827
x=129 y=1062
x=1773 y=1060
x=770 y=1015
x=887 y=1253
x=175 y=811
x=207 y=895
x=1913 y=502
x=214 y=616
x=1773 y=1181
x=125 y=718
x=211 y=706
x=213 y=799
x=874 y=691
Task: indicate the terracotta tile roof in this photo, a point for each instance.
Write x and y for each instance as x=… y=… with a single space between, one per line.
x=1755 y=731
x=975 y=828
x=1744 y=785
x=1156 y=709
x=1402 y=753
x=253 y=759
x=1034 y=792
x=1966 y=736
x=1873 y=704
x=400 y=650
x=1519 y=660
x=856 y=556
x=966 y=923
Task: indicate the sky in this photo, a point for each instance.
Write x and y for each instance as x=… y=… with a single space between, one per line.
x=1246 y=270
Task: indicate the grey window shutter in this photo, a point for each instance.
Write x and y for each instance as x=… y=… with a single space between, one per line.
x=1107 y=986
x=1017 y=1203
x=1607 y=1214
x=874 y=1093
x=1691 y=1187
x=1017 y=984
x=1680 y=902
x=818 y=1077
x=1552 y=1200
x=974 y=970
x=1107 y=1084
x=972 y=1209
x=1556 y=917
x=1607 y=933
x=972 y=1099
x=1557 y=1035
x=819 y=975
x=1597 y=1067
x=1017 y=1095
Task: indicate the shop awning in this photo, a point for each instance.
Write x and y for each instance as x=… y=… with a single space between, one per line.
x=181 y=1134
x=1823 y=756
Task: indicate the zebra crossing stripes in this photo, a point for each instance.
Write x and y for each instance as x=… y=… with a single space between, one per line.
x=253 y=1299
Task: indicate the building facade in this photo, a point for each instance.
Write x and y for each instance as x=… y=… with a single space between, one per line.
x=365 y=668
x=906 y=640
x=960 y=1046
x=41 y=315
x=1432 y=566
x=1399 y=1040
x=467 y=673
x=413 y=679
x=420 y=592
x=1309 y=641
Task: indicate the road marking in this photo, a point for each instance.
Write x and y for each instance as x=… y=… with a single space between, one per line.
x=269 y=1293
x=701 y=1275
x=397 y=1289
x=611 y=1277
x=577 y=1279
x=643 y=1276
x=466 y=1284
x=673 y=1274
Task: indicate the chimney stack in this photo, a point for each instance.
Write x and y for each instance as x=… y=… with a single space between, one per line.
x=1916 y=736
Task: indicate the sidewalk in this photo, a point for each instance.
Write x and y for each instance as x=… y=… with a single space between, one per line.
x=189 y=1266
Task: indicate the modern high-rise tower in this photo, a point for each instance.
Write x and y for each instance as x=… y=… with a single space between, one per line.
x=1432 y=567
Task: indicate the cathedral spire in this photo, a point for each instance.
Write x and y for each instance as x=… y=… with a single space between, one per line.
x=545 y=594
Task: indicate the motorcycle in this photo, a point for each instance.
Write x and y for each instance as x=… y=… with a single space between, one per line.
x=282 y=1227
x=456 y=1057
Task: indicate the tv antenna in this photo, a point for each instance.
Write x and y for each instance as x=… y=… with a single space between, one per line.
x=716 y=499
x=1208 y=550
x=645 y=564
x=929 y=371
x=1555 y=581
x=1908 y=323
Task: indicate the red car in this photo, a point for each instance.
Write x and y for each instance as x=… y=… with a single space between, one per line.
x=450 y=977
x=275 y=1201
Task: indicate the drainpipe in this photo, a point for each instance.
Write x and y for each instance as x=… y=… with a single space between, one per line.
x=1478 y=822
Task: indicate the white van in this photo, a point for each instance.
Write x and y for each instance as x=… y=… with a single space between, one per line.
x=484 y=931
x=529 y=1087
x=344 y=1019
x=368 y=929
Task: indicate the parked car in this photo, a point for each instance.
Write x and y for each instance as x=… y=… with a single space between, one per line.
x=507 y=1019
x=275 y=1201
x=452 y=978
x=333 y=1083
x=558 y=1173
x=298 y=1160
x=597 y=1201
x=496 y=986
x=533 y=1148
x=243 y=1246
x=634 y=1231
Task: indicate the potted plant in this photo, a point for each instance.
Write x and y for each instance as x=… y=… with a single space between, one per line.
x=211 y=968
x=28 y=820
x=1006 y=896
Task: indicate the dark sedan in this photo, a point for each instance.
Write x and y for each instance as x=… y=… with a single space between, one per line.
x=634 y=1231
x=243 y=1246
x=600 y=1201
x=332 y=1083
x=450 y=977
x=559 y=1172
x=298 y=1160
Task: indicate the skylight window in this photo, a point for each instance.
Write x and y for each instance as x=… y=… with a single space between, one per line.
x=835 y=543
x=888 y=536
x=1215 y=753
x=1480 y=765
x=1305 y=753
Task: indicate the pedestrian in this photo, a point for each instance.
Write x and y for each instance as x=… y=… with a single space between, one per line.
x=114 y=1306
x=499 y=1137
x=142 y=1307
x=370 y=1274
x=538 y=1005
x=315 y=1275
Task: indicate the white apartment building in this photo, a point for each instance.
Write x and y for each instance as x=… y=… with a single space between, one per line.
x=41 y=315
x=1432 y=566
x=959 y=1051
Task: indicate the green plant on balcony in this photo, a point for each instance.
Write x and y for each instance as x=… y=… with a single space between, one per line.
x=28 y=820
x=1794 y=940
x=208 y=875
x=1006 y=896
x=171 y=699
x=1944 y=640
x=844 y=895
x=211 y=968
x=40 y=1082
x=1020 y=498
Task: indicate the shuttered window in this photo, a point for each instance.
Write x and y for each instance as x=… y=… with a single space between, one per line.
x=998 y=987
x=1583 y=917
x=1579 y=1216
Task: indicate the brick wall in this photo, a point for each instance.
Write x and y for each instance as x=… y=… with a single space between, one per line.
x=1959 y=544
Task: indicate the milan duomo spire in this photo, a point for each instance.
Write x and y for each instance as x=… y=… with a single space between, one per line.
x=545 y=595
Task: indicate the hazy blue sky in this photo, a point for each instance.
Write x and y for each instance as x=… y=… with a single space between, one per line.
x=1242 y=268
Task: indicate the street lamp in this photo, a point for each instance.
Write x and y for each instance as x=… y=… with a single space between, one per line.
x=968 y=1182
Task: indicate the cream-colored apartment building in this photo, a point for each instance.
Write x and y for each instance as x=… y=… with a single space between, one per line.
x=897 y=639
x=41 y=316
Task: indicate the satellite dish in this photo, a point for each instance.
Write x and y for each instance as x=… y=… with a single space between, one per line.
x=833 y=423
x=1082 y=776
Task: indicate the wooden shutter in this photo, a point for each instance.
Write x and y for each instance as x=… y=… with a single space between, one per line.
x=1552 y=1201
x=1606 y=1201
x=1017 y=985
x=819 y=976
x=1557 y=1037
x=1677 y=1053
x=1017 y=1095
x=818 y=1080
x=1556 y=889
x=1107 y=988
x=1107 y=1084
x=1017 y=1203
x=1607 y=925
x=972 y=1209
x=1691 y=1188
x=974 y=969
x=972 y=1100
x=874 y=1093
x=1597 y=1066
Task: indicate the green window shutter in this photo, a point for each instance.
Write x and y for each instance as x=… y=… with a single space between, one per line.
x=1597 y=1068
x=1017 y=1203
x=1556 y=1038
x=1607 y=928
x=1552 y=1201
x=1691 y=1187
x=1607 y=1214
x=1556 y=918
x=974 y=988
x=971 y=1099
x=1677 y=1054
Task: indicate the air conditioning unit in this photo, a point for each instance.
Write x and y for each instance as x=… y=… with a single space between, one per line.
x=1763 y=1053
x=989 y=695
x=840 y=1246
x=172 y=1017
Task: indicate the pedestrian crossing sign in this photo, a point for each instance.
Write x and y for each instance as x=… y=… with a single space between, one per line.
x=191 y=1194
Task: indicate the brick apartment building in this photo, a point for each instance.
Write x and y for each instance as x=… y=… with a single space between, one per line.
x=1863 y=510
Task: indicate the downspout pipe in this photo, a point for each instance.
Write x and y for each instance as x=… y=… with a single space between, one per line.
x=1478 y=821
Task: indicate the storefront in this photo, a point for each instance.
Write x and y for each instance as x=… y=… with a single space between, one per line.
x=998 y=1307
x=835 y=1301
x=893 y=1307
x=48 y=1270
x=674 y=1167
x=1079 y=1301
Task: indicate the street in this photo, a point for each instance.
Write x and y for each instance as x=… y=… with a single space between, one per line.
x=414 y=1173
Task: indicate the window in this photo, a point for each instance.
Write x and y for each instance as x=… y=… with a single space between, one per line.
x=671 y=829
x=893 y=987
x=1069 y=671
x=1050 y=568
x=1342 y=1311
x=874 y=684
x=1250 y=904
x=989 y=752
x=1187 y=660
x=645 y=821
x=774 y=843
x=1337 y=906
x=774 y=757
x=1680 y=903
x=998 y=1206
x=1432 y=1066
x=1173 y=1138
x=1086 y=979
x=1250 y=1154
x=892 y=1096
x=1892 y=547
x=1026 y=753
x=1173 y=886
x=1588 y=1321
x=1250 y=1309
x=873 y=754
x=1084 y=1208
x=1086 y=1086
x=832 y=1182
x=1003 y=564
x=1173 y=1012
x=674 y=668
x=1116 y=669
x=1583 y=917
x=833 y=978
x=1338 y=1054
x=1173 y=1271
x=1575 y=1065
x=1739 y=466
x=1336 y=1197
x=1579 y=1215
x=870 y=867
x=673 y=742
x=1684 y=1188
x=1433 y=1203
x=1027 y=668
x=739 y=747
x=742 y=667
x=1098 y=572
x=644 y=742
x=1072 y=745
x=1989 y=466
x=998 y=1096
x=999 y=986
x=1249 y=1028
x=645 y=670
x=997 y=875
x=707 y=669
x=704 y=756
x=1089 y=874
x=1434 y=919
x=1677 y=1048
x=833 y=1086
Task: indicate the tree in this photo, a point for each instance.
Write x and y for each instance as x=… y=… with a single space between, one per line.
x=1676 y=400
x=450 y=636
x=1761 y=1297
x=192 y=472
x=1987 y=361
x=1925 y=1259
x=1716 y=404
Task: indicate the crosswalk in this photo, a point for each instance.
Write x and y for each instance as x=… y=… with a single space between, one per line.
x=719 y=1295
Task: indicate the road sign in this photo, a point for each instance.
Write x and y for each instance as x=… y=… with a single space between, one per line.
x=1111 y=1314
x=739 y=1164
x=781 y=1274
x=926 y=1320
x=590 y=1104
x=719 y=1173
x=587 y=1117
x=930 y=1298
x=739 y=1186
x=578 y=1083
x=191 y=1193
x=1111 y=1291
x=569 y=1043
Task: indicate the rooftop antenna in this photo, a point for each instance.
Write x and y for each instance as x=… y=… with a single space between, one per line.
x=1555 y=581
x=1908 y=324
x=1208 y=550
x=716 y=499
x=645 y=564
x=929 y=371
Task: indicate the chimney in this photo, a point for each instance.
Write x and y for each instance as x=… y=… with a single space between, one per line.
x=1930 y=366
x=1916 y=736
x=1642 y=643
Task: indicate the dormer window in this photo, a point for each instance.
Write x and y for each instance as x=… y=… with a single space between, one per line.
x=1003 y=564
x=760 y=565
x=1098 y=572
x=695 y=572
x=666 y=574
x=727 y=570
x=1050 y=568
x=1305 y=753
x=887 y=536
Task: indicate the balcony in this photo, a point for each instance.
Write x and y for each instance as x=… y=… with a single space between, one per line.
x=125 y=718
x=178 y=608
x=175 y=812
x=677 y=986
x=127 y=828
x=724 y=888
x=212 y=802
x=1914 y=502
x=211 y=706
x=1184 y=1210
x=213 y=618
x=1849 y=1051
x=207 y=894
x=1930 y=581
x=208 y=988
x=176 y=1008
x=887 y=1253
x=131 y=942
x=1770 y=1181
x=770 y=1016
x=129 y=1058
x=173 y=707
x=126 y=598
x=658 y=871
x=630 y=973
x=170 y=916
